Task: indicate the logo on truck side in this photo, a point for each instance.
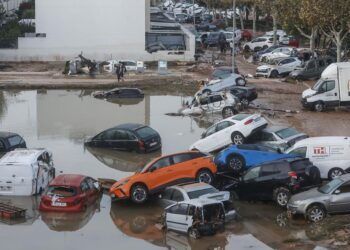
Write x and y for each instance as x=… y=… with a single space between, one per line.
x=320 y=151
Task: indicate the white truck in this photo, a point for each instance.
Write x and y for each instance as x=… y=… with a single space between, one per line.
x=331 y=90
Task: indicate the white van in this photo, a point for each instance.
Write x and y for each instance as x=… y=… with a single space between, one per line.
x=25 y=172
x=332 y=90
x=330 y=154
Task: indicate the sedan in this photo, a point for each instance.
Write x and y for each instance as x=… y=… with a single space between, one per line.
x=231 y=130
x=316 y=203
x=127 y=137
x=119 y=93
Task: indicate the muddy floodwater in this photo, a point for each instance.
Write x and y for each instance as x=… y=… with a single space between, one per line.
x=61 y=120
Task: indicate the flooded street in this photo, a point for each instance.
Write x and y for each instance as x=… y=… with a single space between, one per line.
x=61 y=120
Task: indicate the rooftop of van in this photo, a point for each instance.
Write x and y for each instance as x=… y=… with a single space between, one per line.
x=21 y=156
x=323 y=140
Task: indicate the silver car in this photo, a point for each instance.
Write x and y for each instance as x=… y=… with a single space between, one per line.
x=316 y=203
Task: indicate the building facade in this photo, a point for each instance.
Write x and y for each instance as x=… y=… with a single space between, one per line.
x=102 y=30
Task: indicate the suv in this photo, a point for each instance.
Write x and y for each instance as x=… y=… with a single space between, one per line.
x=276 y=180
x=258 y=43
x=278 y=67
x=162 y=172
x=312 y=68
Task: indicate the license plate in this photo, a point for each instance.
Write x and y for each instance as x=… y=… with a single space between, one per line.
x=58 y=204
x=153 y=144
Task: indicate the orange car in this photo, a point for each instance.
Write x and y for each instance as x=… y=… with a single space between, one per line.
x=163 y=172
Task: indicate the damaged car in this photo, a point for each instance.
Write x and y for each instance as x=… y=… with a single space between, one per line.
x=226 y=83
x=10 y=141
x=196 y=217
x=117 y=93
x=278 y=67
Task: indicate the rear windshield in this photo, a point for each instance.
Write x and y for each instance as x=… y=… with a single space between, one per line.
x=198 y=193
x=146 y=132
x=240 y=117
x=288 y=132
x=61 y=191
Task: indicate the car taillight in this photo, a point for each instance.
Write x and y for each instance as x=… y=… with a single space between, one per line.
x=141 y=144
x=248 y=122
x=293 y=175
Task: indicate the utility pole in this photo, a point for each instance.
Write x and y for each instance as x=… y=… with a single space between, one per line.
x=233 y=36
x=193 y=14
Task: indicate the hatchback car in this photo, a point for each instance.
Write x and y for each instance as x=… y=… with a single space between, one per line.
x=187 y=192
x=239 y=158
x=10 y=141
x=315 y=204
x=163 y=172
x=127 y=137
x=276 y=180
x=119 y=93
x=70 y=193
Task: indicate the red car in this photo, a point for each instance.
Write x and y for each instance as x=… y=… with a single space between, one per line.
x=70 y=193
x=247 y=35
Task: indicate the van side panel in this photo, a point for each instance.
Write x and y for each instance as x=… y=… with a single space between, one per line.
x=344 y=83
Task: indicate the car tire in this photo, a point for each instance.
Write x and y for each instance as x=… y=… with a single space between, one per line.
x=274 y=74
x=236 y=163
x=237 y=138
x=228 y=111
x=319 y=107
x=206 y=91
x=193 y=233
x=246 y=48
x=335 y=172
x=240 y=81
x=139 y=194
x=205 y=176
x=281 y=196
x=315 y=213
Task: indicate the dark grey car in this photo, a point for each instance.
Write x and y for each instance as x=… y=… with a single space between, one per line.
x=316 y=203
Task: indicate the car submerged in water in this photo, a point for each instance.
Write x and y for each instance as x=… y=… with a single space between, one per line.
x=119 y=93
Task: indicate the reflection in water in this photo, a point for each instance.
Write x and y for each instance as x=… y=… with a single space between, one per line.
x=30 y=203
x=122 y=161
x=69 y=222
x=126 y=101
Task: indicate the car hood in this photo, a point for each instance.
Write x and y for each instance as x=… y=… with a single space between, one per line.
x=309 y=92
x=312 y=193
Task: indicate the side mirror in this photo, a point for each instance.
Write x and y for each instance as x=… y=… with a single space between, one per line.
x=337 y=191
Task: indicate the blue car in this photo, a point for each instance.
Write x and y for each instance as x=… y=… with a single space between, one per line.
x=239 y=158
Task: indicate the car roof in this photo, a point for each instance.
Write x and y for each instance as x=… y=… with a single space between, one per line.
x=73 y=180
x=193 y=186
x=323 y=140
x=129 y=126
x=6 y=134
x=21 y=156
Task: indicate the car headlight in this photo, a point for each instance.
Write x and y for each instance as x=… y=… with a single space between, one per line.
x=297 y=203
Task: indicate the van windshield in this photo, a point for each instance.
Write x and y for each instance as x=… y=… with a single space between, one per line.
x=317 y=85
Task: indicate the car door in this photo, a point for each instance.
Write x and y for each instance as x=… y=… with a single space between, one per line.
x=182 y=167
x=223 y=133
x=270 y=176
x=177 y=218
x=247 y=187
x=340 y=199
x=330 y=93
x=159 y=175
x=209 y=142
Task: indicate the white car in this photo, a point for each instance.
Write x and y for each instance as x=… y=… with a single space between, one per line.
x=201 y=190
x=278 y=53
x=211 y=103
x=226 y=83
x=331 y=155
x=234 y=130
x=195 y=217
x=278 y=67
x=280 y=33
x=258 y=43
x=229 y=36
x=25 y=172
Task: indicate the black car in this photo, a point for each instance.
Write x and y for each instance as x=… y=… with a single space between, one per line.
x=119 y=93
x=276 y=180
x=10 y=141
x=245 y=94
x=128 y=137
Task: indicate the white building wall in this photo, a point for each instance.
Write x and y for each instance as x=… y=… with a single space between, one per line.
x=102 y=30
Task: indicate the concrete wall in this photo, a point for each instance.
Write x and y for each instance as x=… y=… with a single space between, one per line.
x=104 y=29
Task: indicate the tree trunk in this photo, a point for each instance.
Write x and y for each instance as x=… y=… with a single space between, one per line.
x=338 y=42
x=226 y=18
x=241 y=19
x=274 y=29
x=254 y=20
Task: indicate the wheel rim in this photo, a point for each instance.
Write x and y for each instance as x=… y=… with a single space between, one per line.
x=316 y=214
x=237 y=139
x=336 y=173
x=236 y=164
x=139 y=194
x=241 y=82
x=319 y=107
x=282 y=198
x=204 y=177
x=245 y=102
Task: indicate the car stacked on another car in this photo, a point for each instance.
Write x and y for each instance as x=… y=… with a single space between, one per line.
x=234 y=130
x=245 y=94
x=225 y=83
x=163 y=172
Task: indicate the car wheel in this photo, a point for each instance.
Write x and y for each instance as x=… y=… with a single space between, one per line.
x=236 y=163
x=335 y=172
x=245 y=102
x=205 y=176
x=315 y=213
x=319 y=106
x=274 y=74
x=139 y=194
x=228 y=111
x=246 y=48
x=206 y=91
x=237 y=138
x=281 y=196
x=240 y=81
x=193 y=233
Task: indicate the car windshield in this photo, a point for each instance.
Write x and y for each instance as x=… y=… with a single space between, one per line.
x=198 y=193
x=287 y=132
x=317 y=85
x=61 y=191
x=146 y=132
x=329 y=187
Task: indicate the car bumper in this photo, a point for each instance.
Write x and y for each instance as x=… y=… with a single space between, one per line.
x=305 y=103
x=77 y=208
x=118 y=194
x=295 y=209
x=264 y=74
